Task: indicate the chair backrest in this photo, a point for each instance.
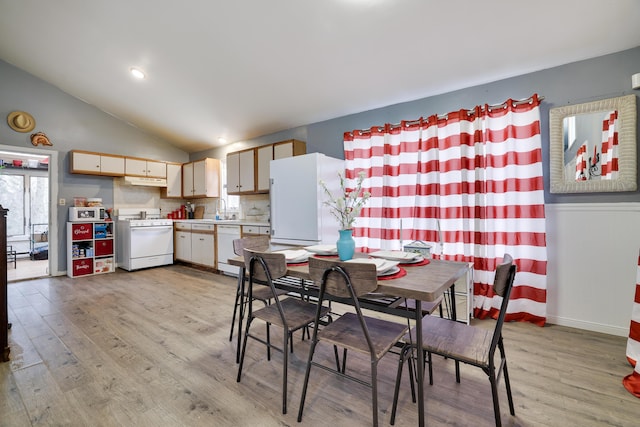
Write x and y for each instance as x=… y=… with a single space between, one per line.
x=502 y=285
x=265 y=266
x=363 y=277
x=258 y=243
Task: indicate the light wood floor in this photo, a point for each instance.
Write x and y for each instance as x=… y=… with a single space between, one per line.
x=151 y=348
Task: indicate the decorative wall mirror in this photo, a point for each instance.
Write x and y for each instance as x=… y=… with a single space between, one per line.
x=593 y=146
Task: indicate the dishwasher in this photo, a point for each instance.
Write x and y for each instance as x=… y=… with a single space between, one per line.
x=227 y=233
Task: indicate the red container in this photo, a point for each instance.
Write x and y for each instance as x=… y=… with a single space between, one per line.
x=104 y=247
x=82 y=267
x=81 y=231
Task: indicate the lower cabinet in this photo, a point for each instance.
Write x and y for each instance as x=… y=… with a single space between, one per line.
x=255 y=230
x=90 y=248
x=203 y=244
x=182 y=242
x=195 y=243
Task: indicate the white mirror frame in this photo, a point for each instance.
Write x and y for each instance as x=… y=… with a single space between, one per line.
x=627 y=180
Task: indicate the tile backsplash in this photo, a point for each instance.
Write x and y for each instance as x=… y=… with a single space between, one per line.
x=254 y=207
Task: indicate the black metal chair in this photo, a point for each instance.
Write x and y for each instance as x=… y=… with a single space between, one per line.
x=263 y=294
x=468 y=344
x=290 y=313
x=12 y=256
x=373 y=337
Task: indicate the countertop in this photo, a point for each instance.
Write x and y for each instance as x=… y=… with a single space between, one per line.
x=224 y=222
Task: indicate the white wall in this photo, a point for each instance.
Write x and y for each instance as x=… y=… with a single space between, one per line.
x=593 y=258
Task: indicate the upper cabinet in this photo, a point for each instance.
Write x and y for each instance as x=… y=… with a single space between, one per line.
x=144 y=167
x=289 y=148
x=241 y=172
x=201 y=178
x=264 y=155
x=248 y=170
x=174 y=181
x=86 y=162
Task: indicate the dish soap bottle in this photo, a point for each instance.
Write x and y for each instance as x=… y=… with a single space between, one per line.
x=217 y=215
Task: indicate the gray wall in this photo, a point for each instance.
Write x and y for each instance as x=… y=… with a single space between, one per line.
x=585 y=81
x=73 y=124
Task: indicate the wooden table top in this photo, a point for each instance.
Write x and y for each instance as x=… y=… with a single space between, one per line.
x=424 y=283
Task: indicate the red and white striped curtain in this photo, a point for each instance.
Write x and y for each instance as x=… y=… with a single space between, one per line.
x=469 y=184
x=610 y=147
x=632 y=381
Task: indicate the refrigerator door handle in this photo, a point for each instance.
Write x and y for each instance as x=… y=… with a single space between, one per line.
x=272 y=204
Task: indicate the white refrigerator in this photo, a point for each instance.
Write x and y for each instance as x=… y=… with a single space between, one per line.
x=298 y=214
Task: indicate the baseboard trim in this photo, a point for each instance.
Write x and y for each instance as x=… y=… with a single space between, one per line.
x=589 y=326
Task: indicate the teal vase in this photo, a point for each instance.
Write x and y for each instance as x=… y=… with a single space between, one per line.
x=346 y=245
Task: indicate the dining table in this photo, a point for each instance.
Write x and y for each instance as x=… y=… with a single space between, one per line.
x=422 y=282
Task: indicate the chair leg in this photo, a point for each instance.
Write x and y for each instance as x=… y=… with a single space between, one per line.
x=335 y=352
x=344 y=360
x=374 y=391
x=412 y=377
x=505 y=372
x=307 y=373
x=494 y=394
x=235 y=311
x=244 y=348
x=285 y=357
x=403 y=356
x=269 y=342
x=406 y=354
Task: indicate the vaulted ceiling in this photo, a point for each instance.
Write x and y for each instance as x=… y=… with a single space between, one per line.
x=245 y=68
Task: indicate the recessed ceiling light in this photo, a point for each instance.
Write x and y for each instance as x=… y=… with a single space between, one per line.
x=137 y=73
x=222 y=140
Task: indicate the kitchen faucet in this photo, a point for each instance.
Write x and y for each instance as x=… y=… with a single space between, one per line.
x=224 y=215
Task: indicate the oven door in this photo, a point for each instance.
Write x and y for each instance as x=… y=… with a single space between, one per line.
x=151 y=241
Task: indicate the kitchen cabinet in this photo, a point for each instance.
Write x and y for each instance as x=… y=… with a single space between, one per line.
x=146 y=168
x=203 y=245
x=182 y=241
x=241 y=172
x=248 y=170
x=90 y=248
x=288 y=148
x=174 y=181
x=264 y=155
x=195 y=243
x=201 y=178
x=255 y=230
x=89 y=163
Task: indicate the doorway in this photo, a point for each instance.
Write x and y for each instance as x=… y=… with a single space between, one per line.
x=24 y=179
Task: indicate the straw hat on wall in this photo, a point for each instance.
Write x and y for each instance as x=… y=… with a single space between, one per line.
x=21 y=121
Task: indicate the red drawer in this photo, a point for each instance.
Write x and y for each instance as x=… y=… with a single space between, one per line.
x=103 y=247
x=81 y=231
x=82 y=267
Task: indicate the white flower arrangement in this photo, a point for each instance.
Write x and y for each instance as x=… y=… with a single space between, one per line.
x=347 y=207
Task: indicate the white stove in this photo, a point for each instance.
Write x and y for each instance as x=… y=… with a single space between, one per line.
x=144 y=242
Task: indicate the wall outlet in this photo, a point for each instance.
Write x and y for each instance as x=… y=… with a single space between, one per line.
x=62 y=202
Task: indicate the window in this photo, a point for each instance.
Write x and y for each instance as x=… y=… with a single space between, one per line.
x=12 y=198
x=26 y=195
